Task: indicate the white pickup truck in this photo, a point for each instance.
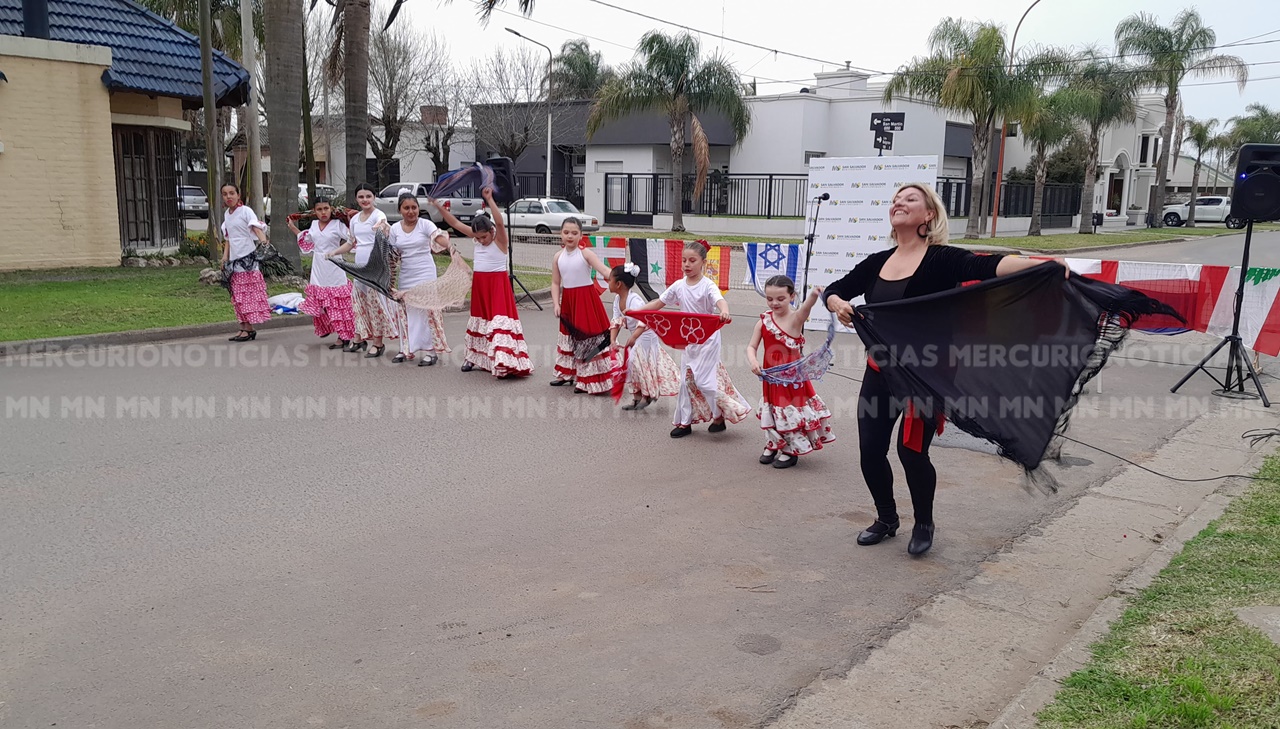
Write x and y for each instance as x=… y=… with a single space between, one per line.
x=1212 y=209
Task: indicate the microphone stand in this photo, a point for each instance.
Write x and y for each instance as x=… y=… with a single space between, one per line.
x=808 y=239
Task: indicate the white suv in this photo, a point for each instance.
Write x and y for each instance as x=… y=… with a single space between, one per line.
x=1208 y=210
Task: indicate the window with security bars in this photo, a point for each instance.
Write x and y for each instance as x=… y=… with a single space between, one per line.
x=147 y=185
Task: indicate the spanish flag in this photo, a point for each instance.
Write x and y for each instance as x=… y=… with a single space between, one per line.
x=718 y=266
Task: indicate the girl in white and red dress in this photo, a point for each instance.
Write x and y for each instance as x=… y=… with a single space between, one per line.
x=578 y=306
x=706 y=392
x=376 y=316
x=650 y=371
x=495 y=338
x=794 y=419
x=414 y=237
x=241 y=232
x=328 y=296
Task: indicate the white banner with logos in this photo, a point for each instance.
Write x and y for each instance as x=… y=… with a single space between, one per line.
x=854 y=223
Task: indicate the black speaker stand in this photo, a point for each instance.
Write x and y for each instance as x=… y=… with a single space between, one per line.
x=1232 y=386
x=511 y=266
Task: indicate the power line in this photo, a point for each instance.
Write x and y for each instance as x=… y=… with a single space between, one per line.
x=1260 y=35
x=775 y=51
x=566 y=30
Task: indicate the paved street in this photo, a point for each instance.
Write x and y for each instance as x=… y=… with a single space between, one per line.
x=1224 y=251
x=194 y=540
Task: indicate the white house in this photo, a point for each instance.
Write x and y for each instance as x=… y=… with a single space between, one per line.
x=1127 y=155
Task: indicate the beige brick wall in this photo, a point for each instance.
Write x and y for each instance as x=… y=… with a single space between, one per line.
x=57 y=170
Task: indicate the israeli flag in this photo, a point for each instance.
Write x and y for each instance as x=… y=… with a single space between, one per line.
x=766 y=260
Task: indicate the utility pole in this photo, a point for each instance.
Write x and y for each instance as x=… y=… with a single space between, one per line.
x=212 y=155
x=249 y=59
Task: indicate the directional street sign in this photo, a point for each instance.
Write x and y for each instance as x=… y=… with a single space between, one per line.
x=884 y=140
x=888 y=121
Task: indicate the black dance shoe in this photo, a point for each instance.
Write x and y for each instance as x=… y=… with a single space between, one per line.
x=681 y=431
x=921 y=539
x=878 y=532
x=717 y=426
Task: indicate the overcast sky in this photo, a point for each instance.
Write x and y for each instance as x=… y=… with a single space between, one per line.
x=874 y=35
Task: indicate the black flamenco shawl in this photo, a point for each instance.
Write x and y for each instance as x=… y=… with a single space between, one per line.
x=1004 y=360
x=265 y=255
x=376 y=273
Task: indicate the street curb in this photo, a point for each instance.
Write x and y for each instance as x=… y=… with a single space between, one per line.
x=1020 y=712
x=140 y=336
x=146 y=336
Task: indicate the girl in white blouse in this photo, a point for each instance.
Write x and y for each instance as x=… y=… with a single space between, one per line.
x=241 y=233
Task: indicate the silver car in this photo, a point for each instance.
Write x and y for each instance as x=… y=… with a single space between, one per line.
x=192 y=202
x=464 y=208
x=545 y=214
x=303 y=203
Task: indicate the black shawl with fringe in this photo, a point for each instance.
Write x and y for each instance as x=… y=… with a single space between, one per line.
x=1004 y=360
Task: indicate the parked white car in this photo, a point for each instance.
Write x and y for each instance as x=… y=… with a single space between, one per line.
x=192 y=202
x=545 y=214
x=462 y=207
x=1208 y=210
x=304 y=203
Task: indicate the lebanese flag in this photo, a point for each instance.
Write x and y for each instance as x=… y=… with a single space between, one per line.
x=611 y=252
x=659 y=262
x=1259 y=311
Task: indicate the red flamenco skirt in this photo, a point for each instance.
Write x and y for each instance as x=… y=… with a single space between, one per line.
x=582 y=308
x=249 y=297
x=495 y=338
x=330 y=309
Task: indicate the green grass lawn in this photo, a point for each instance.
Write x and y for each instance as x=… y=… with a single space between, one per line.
x=75 y=301
x=1179 y=657
x=1071 y=241
x=68 y=302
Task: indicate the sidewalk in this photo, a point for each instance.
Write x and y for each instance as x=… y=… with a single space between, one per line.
x=991 y=653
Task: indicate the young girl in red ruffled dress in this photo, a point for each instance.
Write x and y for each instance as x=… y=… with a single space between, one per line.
x=581 y=313
x=794 y=419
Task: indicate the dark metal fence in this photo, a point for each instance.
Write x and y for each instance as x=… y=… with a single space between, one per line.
x=635 y=199
x=1016 y=199
x=564 y=185
x=632 y=199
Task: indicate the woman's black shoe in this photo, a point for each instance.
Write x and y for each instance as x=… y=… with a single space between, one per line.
x=428 y=360
x=245 y=336
x=340 y=344
x=375 y=352
x=560 y=383
x=768 y=456
x=467 y=366
x=921 y=539
x=402 y=357
x=877 y=533
x=681 y=431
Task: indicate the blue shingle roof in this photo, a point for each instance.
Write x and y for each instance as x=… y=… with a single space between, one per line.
x=149 y=54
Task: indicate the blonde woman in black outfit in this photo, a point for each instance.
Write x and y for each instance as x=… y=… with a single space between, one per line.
x=920 y=263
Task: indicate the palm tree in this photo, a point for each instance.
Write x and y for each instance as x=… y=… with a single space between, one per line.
x=283 y=20
x=968 y=70
x=578 y=72
x=1260 y=125
x=1169 y=55
x=1047 y=126
x=1200 y=135
x=670 y=76
x=1099 y=93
